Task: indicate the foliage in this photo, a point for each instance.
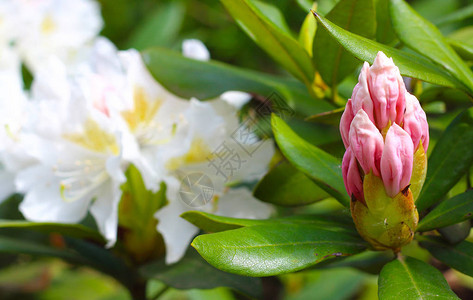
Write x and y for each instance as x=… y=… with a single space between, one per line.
x=310 y=245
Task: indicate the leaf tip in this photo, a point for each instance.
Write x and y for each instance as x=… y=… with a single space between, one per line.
x=314 y=13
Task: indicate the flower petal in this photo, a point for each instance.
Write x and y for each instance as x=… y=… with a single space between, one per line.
x=397 y=160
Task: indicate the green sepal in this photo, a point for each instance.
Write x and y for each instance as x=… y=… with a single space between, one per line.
x=385 y=222
x=419 y=170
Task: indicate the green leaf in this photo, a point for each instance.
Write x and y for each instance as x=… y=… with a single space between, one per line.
x=459 y=257
x=451 y=211
x=72 y=230
x=273 y=249
x=422 y=36
x=456 y=16
x=193 y=272
x=331 y=60
x=462 y=42
x=168 y=18
x=329 y=117
x=409 y=64
x=368 y=261
x=282 y=47
x=205 y=80
x=450 y=159
x=384 y=28
x=323 y=168
x=465 y=50
x=214 y=223
x=307 y=32
x=337 y=284
x=305 y=5
x=410 y=278
x=286 y=186
x=273 y=14
x=16 y=246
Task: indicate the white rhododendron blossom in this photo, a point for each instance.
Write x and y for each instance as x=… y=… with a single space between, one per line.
x=41 y=29
x=207 y=143
x=86 y=123
x=12 y=116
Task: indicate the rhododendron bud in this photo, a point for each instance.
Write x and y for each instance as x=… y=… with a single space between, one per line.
x=386 y=135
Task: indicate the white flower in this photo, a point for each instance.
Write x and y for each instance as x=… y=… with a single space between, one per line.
x=78 y=150
x=12 y=117
x=55 y=28
x=203 y=144
x=195 y=49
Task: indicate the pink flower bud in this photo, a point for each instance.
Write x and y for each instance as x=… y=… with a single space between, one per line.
x=387 y=91
x=366 y=143
x=415 y=122
x=351 y=176
x=345 y=122
x=361 y=98
x=397 y=160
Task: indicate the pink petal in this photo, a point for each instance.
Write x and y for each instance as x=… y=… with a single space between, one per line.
x=361 y=98
x=415 y=122
x=397 y=160
x=366 y=142
x=351 y=176
x=345 y=122
x=387 y=91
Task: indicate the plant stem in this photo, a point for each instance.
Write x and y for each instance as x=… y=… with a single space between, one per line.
x=138 y=290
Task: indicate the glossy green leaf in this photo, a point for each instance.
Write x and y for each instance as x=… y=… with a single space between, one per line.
x=409 y=64
x=282 y=47
x=465 y=50
x=451 y=211
x=272 y=249
x=273 y=14
x=459 y=257
x=332 y=61
x=368 y=261
x=456 y=16
x=422 y=36
x=462 y=42
x=205 y=80
x=323 y=168
x=409 y=278
x=449 y=161
x=103 y=260
x=13 y=245
x=72 y=230
x=286 y=186
x=384 y=28
x=336 y=284
x=168 y=18
x=193 y=272
x=214 y=223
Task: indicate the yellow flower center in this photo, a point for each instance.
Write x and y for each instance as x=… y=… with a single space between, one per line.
x=143 y=111
x=94 y=138
x=48 y=25
x=198 y=152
